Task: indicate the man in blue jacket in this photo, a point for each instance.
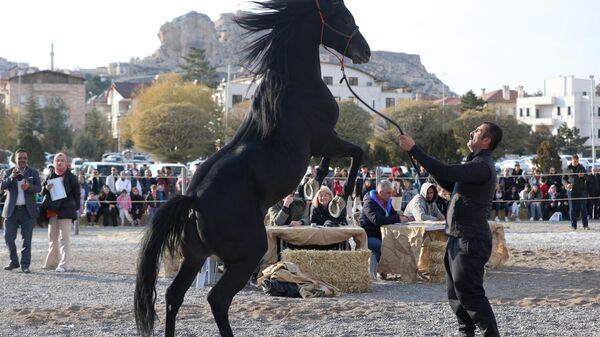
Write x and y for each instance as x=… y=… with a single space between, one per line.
x=378 y=211
x=470 y=238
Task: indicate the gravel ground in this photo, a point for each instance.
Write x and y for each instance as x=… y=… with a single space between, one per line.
x=549 y=287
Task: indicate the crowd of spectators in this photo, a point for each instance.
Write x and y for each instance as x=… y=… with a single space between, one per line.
x=572 y=194
x=130 y=196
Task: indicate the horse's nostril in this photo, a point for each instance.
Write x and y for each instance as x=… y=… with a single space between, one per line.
x=368 y=53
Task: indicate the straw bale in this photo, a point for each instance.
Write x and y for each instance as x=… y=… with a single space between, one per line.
x=499 y=250
x=437 y=272
x=347 y=270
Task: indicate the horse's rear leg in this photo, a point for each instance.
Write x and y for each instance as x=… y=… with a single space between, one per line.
x=234 y=279
x=194 y=255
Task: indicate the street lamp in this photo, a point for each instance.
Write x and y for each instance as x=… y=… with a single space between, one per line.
x=592 y=95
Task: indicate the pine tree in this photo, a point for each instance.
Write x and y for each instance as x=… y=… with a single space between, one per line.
x=568 y=140
x=471 y=102
x=547 y=156
x=56 y=131
x=31 y=121
x=197 y=68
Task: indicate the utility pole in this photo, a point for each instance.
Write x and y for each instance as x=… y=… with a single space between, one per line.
x=592 y=95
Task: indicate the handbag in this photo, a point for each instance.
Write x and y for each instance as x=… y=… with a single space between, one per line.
x=51 y=205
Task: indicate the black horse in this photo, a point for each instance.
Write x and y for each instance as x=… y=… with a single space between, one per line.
x=292 y=118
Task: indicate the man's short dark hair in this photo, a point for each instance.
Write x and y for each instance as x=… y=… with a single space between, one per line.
x=575 y=157
x=494 y=132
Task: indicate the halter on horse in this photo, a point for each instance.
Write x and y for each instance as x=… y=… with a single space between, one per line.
x=292 y=118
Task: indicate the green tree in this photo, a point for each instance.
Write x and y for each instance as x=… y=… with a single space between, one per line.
x=95 y=85
x=568 y=141
x=470 y=101
x=56 y=131
x=35 y=152
x=176 y=120
x=197 y=68
x=50 y=124
x=547 y=156
x=182 y=135
x=97 y=126
x=85 y=145
x=8 y=134
x=234 y=118
x=31 y=120
x=515 y=134
x=542 y=133
x=425 y=122
x=354 y=125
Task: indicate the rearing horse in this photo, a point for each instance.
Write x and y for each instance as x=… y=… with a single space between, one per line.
x=292 y=118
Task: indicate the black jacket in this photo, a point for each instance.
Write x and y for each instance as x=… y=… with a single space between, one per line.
x=321 y=216
x=579 y=183
x=473 y=186
x=69 y=207
x=373 y=216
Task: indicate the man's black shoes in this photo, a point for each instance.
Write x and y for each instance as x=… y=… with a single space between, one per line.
x=11 y=266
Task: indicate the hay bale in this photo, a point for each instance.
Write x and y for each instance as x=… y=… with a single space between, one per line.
x=437 y=272
x=499 y=250
x=348 y=270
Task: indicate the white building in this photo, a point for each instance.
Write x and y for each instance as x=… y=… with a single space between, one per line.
x=365 y=85
x=566 y=99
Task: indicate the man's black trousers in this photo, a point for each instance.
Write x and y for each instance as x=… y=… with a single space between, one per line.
x=465 y=260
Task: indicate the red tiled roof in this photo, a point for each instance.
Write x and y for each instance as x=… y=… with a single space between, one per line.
x=496 y=96
x=450 y=101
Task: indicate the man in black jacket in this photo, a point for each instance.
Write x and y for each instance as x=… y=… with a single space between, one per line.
x=576 y=183
x=470 y=239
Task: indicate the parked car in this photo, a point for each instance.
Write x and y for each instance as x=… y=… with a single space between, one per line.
x=103 y=167
x=176 y=167
x=76 y=164
x=510 y=163
x=565 y=160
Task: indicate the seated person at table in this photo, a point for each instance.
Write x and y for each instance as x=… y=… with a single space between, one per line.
x=320 y=210
x=291 y=211
x=423 y=207
x=378 y=211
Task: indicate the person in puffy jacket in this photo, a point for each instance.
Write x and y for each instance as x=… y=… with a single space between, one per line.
x=378 y=211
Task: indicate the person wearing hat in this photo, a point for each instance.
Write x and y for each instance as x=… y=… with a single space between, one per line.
x=320 y=214
x=290 y=211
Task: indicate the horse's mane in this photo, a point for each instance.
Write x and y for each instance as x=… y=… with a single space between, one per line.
x=266 y=55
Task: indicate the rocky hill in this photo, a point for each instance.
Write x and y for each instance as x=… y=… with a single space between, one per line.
x=222 y=41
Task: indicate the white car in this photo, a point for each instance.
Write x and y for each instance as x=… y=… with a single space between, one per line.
x=510 y=163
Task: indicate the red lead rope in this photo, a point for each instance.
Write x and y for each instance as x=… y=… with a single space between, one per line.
x=323 y=24
x=341 y=60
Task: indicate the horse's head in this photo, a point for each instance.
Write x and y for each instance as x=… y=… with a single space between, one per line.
x=340 y=32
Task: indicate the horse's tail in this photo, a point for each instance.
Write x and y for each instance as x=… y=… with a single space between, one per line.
x=165 y=231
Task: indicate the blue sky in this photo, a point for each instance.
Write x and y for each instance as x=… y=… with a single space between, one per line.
x=469 y=44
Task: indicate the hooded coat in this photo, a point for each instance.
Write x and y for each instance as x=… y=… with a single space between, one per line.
x=420 y=208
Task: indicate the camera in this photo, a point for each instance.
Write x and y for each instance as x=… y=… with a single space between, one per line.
x=19 y=176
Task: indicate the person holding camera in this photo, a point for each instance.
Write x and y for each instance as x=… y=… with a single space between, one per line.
x=61 y=215
x=20 y=209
